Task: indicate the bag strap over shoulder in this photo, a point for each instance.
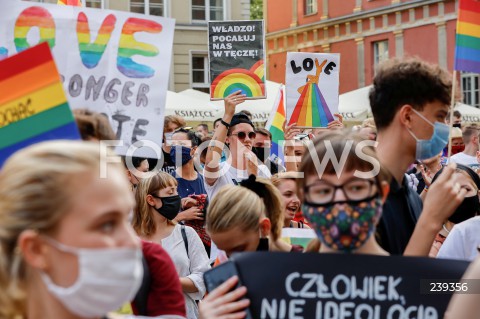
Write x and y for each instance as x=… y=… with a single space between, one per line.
x=185 y=239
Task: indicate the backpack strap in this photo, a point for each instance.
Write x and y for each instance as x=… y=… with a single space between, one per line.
x=141 y=298
x=185 y=240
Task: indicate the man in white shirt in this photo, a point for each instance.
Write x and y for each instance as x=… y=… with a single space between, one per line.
x=471 y=140
x=238 y=131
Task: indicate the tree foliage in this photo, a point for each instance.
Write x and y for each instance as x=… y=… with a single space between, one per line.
x=256 y=9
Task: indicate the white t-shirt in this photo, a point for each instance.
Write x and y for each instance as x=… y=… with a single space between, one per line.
x=464 y=159
x=462 y=242
x=191 y=266
x=229 y=175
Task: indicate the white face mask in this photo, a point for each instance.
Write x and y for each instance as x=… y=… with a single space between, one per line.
x=107 y=279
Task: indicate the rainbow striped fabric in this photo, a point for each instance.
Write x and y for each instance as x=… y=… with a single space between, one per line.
x=275 y=125
x=33 y=105
x=75 y=3
x=467 y=49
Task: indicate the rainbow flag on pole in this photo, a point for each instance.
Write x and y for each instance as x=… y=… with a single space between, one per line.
x=33 y=105
x=75 y=3
x=467 y=48
x=275 y=125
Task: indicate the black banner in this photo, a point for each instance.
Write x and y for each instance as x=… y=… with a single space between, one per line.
x=236 y=56
x=340 y=286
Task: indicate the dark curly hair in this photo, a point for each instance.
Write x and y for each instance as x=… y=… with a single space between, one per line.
x=413 y=82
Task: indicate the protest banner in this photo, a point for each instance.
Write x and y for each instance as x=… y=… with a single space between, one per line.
x=33 y=105
x=116 y=63
x=237 y=58
x=312 y=81
x=344 y=286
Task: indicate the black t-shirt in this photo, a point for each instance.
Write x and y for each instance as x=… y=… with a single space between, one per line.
x=401 y=211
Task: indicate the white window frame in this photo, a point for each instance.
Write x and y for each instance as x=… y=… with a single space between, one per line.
x=206 y=83
x=379 y=56
x=102 y=3
x=207 y=12
x=471 y=95
x=311 y=7
x=147 y=7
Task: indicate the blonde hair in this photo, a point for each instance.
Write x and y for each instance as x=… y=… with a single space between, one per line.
x=239 y=206
x=278 y=178
x=35 y=192
x=143 y=219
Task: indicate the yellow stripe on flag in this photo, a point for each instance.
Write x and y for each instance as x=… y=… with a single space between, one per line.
x=35 y=102
x=469 y=29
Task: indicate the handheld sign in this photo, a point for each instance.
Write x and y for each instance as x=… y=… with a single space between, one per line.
x=236 y=56
x=112 y=62
x=312 y=81
x=33 y=105
x=341 y=286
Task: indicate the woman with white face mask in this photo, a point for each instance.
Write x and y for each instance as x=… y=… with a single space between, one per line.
x=68 y=250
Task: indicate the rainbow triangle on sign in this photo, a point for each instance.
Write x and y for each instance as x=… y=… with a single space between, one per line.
x=75 y=3
x=311 y=108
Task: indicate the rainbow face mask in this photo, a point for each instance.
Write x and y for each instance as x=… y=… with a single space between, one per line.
x=344 y=226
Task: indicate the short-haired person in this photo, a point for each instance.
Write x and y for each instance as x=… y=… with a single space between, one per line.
x=471 y=139
x=157 y=205
x=202 y=129
x=216 y=124
x=68 y=250
x=191 y=187
x=410 y=100
x=457 y=119
x=247 y=113
x=170 y=124
x=239 y=133
x=135 y=166
x=262 y=146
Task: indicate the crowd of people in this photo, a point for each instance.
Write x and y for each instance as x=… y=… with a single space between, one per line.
x=136 y=243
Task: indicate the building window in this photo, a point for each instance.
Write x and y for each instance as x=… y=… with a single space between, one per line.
x=380 y=52
x=94 y=4
x=200 y=79
x=149 y=7
x=310 y=6
x=206 y=10
x=470 y=89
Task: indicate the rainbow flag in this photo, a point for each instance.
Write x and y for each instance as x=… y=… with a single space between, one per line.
x=33 y=105
x=275 y=125
x=467 y=48
x=311 y=108
x=75 y=3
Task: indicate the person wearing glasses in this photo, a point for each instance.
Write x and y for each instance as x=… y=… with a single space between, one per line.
x=238 y=132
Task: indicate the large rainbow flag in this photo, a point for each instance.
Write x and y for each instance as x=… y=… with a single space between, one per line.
x=33 y=105
x=311 y=108
x=275 y=125
x=467 y=49
x=75 y=3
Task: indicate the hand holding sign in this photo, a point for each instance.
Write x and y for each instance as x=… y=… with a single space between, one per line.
x=220 y=303
x=232 y=100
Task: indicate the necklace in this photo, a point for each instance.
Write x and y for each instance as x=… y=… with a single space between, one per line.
x=445 y=228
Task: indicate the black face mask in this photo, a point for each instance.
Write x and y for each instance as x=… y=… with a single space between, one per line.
x=170 y=206
x=467 y=209
x=263 y=244
x=261 y=152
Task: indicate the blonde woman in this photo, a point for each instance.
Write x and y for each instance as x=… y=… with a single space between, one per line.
x=247 y=218
x=68 y=250
x=158 y=204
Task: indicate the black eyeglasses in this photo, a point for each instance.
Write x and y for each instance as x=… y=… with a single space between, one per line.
x=323 y=192
x=243 y=135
